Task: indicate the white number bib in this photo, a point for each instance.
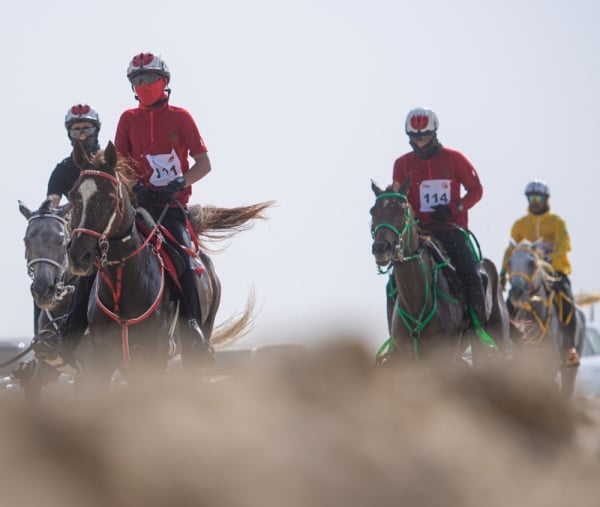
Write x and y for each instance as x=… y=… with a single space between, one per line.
x=165 y=168
x=432 y=193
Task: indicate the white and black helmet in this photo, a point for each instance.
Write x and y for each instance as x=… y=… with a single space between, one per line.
x=148 y=63
x=537 y=187
x=421 y=121
x=82 y=112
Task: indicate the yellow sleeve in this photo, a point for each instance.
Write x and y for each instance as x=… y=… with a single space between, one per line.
x=516 y=236
x=562 y=246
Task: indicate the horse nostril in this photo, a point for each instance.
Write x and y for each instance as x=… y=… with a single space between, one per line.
x=380 y=247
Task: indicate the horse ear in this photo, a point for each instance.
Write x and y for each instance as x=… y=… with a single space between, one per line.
x=25 y=211
x=375 y=188
x=110 y=155
x=405 y=186
x=79 y=155
x=46 y=206
x=61 y=211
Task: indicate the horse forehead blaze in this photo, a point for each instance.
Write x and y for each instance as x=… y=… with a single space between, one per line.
x=86 y=190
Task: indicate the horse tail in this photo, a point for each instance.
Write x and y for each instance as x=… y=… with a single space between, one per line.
x=217 y=223
x=235 y=326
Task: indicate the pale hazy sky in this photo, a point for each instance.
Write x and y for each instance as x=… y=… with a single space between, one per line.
x=304 y=102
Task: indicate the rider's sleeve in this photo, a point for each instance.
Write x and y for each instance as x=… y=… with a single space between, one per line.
x=192 y=137
x=562 y=246
x=56 y=182
x=470 y=181
x=122 y=143
x=516 y=234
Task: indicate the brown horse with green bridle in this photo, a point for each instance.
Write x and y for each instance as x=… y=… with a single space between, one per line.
x=428 y=318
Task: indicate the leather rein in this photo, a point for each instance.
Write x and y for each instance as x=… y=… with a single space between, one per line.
x=102 y=263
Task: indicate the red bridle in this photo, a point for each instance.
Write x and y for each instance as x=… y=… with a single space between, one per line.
x=102 y=262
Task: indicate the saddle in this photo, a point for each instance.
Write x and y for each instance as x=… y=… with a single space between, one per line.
x=171 y=256
x=440 y=256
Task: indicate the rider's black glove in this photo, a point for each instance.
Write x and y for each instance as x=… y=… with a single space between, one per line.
x=166 y=194
x=441 y=212
x=142 y=195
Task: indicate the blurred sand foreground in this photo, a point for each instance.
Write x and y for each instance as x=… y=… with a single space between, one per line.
x=320 y=428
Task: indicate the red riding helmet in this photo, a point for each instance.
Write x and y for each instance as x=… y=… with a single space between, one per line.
x=82 y=112
x=421 y=121
x=148 y=63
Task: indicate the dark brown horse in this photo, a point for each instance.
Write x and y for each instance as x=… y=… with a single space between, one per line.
x=427 y=316
x=132 y=314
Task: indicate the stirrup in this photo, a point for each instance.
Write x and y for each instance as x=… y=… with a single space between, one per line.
x=201 y=350
x=572 y=358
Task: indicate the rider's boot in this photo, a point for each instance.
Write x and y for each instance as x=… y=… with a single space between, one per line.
x=196 y=348
x=571 y=356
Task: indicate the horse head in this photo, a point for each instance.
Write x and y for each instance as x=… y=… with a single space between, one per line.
x=101 y=208
x=527 y=271
x=46 y=239
x=391 y=223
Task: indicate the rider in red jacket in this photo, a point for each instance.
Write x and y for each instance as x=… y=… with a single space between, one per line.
x=158 y=140
x=438 y=176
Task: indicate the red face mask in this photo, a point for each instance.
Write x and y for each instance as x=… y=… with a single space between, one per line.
x=150 y=93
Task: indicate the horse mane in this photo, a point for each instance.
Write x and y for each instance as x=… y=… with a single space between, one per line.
x=546 y=269
x=45 y=207
x=209 y=222
x=126 y=173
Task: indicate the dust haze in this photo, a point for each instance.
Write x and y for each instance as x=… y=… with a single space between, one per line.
x=314 y=427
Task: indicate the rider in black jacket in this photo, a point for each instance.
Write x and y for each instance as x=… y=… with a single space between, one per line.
x=83 y=124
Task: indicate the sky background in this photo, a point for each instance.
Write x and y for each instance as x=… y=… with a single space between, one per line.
x=303 y=102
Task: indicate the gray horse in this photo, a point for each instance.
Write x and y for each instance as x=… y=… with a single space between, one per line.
x=52 y=284
x=535 y=316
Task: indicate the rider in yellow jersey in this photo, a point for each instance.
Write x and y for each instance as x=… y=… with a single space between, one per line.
x=540 y=224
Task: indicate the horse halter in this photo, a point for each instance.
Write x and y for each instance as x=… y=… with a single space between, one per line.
x=61 y=266
x=117 y=211
x=404 y=236
x=529 y=278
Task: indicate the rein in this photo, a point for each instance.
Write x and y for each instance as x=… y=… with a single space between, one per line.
x=543 y=323
x=414 y=324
